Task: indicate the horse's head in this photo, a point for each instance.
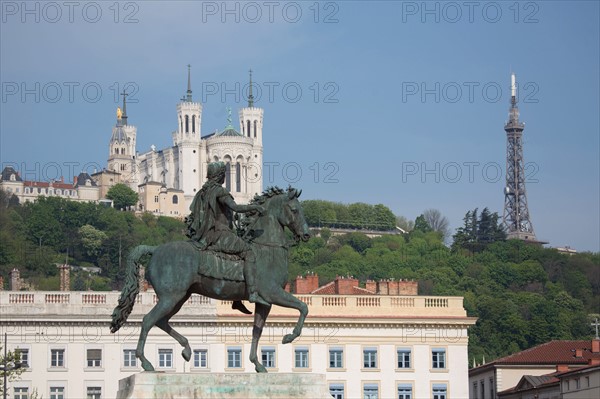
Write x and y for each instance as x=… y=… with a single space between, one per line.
x=292 y=215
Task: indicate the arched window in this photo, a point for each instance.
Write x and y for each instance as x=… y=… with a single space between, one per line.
x=238 y=177
x=180 y=124
x=13 y=177
x=175 y=199
x=248 y=130
x=255 y=123
x=116 y=151
x=228 y=175
x=193 y=123
x=187 y=124
x=122 y=151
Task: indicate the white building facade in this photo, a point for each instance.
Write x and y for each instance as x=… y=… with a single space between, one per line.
x=182 y=167
x=367 y=346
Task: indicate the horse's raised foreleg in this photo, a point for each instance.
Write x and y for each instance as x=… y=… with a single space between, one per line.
x=287 y=300
x=160 y=310
x=164 y=325
x=260 y=316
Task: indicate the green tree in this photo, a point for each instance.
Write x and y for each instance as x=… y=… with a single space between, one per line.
x=14 y=369
x=122 y=196
x=91 y=239
x=422 y=225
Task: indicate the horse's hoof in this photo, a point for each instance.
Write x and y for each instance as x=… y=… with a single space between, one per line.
x=288 y=338
x=260 y=369
x=187 y=354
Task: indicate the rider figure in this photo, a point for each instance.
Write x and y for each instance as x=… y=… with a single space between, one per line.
x=211 y=221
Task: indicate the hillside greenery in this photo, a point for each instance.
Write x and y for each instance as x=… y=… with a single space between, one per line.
x=522 y=295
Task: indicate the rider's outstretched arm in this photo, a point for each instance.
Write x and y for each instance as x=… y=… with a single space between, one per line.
x=229 y=201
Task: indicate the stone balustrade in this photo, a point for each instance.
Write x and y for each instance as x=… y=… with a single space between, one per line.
x=102 y=303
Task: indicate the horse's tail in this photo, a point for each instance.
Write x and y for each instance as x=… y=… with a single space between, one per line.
x=131 y=288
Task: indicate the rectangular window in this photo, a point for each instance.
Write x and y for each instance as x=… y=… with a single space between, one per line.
x=440 y=391
x=94 y=357
x=57 y=393
x=268 y=357
x=337 y=391
x=403 y=358
x=21 y=393
x=129 y=359
x=23 y=356
x=165 y=358
x=156 y=198
x=475 y=390
x=336 y=357
x=438 y=358
x=301 y=358
x=234 y=357
x=370 y=391
x=404 y=391
x=57 y=358
x=370 y=358
x=482 y=388
x=200 y=358
x=94 y=392
x=492 y=388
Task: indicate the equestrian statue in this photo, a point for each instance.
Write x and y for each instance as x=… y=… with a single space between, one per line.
x=219 y=263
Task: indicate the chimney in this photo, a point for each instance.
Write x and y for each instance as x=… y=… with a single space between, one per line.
x=393 y=287
x=287 y=287
x=595 y=345
x=408 y=287
x=578 y=352
x=64 y=272
x=562 y=368
x=382 y=287
x=371 y=285
x=345 y=285
x=306 y=285
x=594 y=361
x=15 y=280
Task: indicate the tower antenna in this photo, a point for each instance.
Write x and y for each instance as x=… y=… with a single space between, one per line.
x=515 y=218
x=250 y=96
x=188 y=96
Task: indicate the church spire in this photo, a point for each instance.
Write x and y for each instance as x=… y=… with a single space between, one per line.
x=124 y=111
x=250 y=96
x=188 y=96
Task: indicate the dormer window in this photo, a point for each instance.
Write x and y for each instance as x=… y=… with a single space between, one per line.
x=13 y=177
x=88 y=182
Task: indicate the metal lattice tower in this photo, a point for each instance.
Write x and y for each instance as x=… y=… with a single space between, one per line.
x=516 y=218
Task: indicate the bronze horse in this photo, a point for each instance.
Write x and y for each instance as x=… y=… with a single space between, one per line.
x=176 y=272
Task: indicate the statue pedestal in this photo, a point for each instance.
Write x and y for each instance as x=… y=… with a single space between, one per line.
x=223 y=385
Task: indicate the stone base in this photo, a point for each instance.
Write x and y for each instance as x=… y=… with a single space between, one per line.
x=223 y=385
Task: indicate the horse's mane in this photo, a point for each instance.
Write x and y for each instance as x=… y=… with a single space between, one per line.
x=250 y=218
x=269 y=192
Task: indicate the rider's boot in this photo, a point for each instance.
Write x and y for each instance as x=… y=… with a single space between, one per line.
x=250 y=276
x=239 y=305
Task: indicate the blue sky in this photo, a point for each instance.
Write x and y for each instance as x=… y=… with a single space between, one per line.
x=394 y=102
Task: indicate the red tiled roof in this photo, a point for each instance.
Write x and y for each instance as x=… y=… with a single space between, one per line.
x=362 y=291
x=553 y=352
x=28 y=183
x=327 y=289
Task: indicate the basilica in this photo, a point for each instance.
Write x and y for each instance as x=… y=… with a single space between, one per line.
x=167 y=179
